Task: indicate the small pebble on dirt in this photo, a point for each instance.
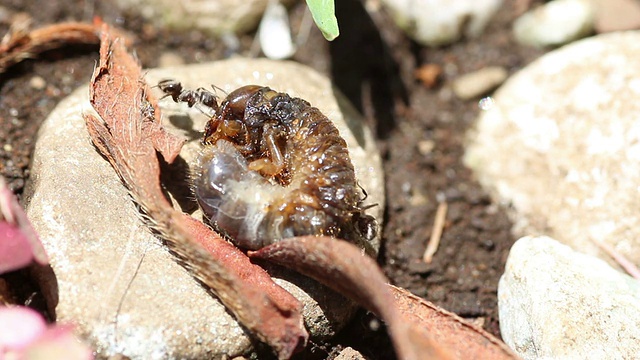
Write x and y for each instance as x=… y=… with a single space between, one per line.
x=37 y=83
x=480 y=82
x=429 y=74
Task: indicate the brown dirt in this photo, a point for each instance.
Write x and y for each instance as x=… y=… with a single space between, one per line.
x=420 y=132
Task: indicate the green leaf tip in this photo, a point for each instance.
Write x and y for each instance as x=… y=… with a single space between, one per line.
x=323 y=13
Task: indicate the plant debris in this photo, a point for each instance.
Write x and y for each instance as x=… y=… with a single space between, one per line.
x=342 y=266
x=436 y=233
x=20 y=43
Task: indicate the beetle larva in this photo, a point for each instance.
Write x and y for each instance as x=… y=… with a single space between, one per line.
x=274 y=167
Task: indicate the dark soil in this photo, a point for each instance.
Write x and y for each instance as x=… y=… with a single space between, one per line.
x=420 y=133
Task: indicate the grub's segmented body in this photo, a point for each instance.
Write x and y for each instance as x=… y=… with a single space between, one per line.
x=274 y=167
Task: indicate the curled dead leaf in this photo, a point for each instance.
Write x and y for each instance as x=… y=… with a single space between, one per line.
x=418 y=328
x=21 y=43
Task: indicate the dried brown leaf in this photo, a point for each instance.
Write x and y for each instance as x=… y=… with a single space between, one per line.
x=128 y=135
x=465 y=340
x=20 y=44
x=342 y=267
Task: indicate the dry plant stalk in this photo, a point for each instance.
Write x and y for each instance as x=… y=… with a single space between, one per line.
x=128 y=135
x=436 y=233
x=419 y=329
x=622 y=260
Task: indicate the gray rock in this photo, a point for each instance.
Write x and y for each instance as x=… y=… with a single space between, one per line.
x=555 y=303
x=442 y=22
x=560 y=145
x=216 y=17
x=116 y=281
x=480 y=82
x=555 y=23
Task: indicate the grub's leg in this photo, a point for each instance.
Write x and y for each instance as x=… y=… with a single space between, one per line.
x=273 y=165
x=222 y=129
x=231 y=128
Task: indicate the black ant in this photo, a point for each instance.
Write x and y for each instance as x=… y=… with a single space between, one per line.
x=202 y=96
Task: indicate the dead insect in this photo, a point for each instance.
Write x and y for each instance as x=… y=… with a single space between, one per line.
x=274 y=167
x=147 y=111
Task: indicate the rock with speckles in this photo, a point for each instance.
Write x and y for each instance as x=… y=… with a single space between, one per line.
x=215 y=17
x=556 y=303
x=116 y=281
x=561 y=145
x=442 y=22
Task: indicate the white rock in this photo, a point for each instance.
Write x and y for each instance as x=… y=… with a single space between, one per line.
x=555 y=303
x=275 y=33
x=561 y=144
x=442 y=22
x=117 y=282
x=217 y=17
x=555 y=23
x=480 y=82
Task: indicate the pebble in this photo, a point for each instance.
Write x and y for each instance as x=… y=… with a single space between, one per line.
x=215 y=17
x=275 y=34
x=429 y=74
x=560 y=145
x=555 y=23
x=119 y=283
x=556 y=303
x=425 y=147
x=480 y=82
x=617 y=15
x=349 y=354
x=442 y=22
x=37 y=83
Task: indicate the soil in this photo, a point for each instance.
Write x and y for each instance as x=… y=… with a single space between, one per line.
x=420 y=131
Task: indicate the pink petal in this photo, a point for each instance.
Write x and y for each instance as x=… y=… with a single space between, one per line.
x=19 y=327
x=17 y=237
x=15 y=248
x=58 y=342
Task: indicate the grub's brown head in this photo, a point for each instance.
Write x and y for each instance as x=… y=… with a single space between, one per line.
x=230 y=114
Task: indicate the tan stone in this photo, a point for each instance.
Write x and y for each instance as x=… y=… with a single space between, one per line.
x=116 y=281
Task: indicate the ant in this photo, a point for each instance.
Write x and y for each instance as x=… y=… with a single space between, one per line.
x=203 y=96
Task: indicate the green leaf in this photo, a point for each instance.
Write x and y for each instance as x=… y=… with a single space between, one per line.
x=324 y=15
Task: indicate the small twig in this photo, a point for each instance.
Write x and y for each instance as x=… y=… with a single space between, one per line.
x=436 y=233
x=622 y=260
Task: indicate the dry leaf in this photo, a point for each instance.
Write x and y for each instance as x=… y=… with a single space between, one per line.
x=465 y=340
x=20 y=44
x=343 y=267
x=128 y=135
